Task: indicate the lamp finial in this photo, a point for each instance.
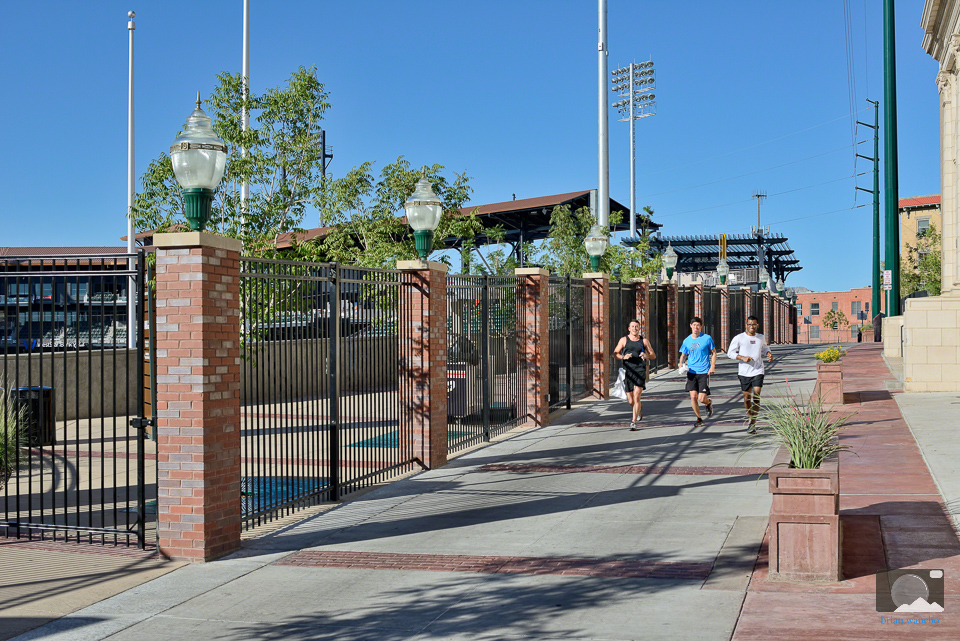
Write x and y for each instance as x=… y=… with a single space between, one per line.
x=198 y=99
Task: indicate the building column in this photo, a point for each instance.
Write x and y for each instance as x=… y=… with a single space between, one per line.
x=533 y=347
x=599 y=285
x=422 y=328
x=724 y=317
x=673 y=329
x=950 y=264
x=198 y=395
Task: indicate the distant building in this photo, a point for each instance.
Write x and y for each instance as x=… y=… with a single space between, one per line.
x=917 y=215
x=813 y=306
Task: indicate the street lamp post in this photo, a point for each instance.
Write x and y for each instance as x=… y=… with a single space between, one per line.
x=596 y=243
x=423 y=209
x=780 y=287
x=764 y=278
x=199 y=158
x=723 y=270
x=669 y=260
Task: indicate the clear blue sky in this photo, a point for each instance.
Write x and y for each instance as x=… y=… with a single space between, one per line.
x=751 y=95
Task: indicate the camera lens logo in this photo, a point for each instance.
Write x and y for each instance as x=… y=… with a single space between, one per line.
x=910 y=591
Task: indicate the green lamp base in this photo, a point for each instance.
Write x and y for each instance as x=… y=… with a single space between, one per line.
x=423 y=241
x=595 y=263
x=196 y=205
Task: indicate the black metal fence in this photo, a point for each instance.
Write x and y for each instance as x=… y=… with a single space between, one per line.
x=484 y=374
x=657 y=310
x=319 y=384
x=72 y=448
x=623 y=309
x=685 y=311
x=737 y=315
x=756 y=309
x=711 y=313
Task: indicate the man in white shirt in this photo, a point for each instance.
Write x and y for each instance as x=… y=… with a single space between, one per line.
x=749 y=348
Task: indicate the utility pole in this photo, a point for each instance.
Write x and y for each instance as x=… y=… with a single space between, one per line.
x=326 y=155
x=891 y=173
x=875 y=282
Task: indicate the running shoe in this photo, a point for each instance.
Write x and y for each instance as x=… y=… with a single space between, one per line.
x=709 y=409
x=753 y=428
x=698 y=422
x=633 y=427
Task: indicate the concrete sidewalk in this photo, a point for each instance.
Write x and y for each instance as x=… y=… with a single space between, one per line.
x=578 y=530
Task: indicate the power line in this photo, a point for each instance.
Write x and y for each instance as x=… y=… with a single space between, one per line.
x=736 y=151
x=752 y=173
x=826 y=213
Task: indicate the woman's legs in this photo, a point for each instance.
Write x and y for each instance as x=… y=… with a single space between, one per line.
x=634 y=397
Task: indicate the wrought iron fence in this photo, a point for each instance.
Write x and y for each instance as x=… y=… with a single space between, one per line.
x=685 y=311
x=319 y=384
x=72 y=463
x=737 y=315
x=484 y=374
x=560 y=334
x=756 y=309
x=657 y=310
x=623 y=309
x=711 y=313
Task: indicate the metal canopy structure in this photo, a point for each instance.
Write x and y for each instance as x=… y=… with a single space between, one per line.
x=701 y=253
x=528 y=220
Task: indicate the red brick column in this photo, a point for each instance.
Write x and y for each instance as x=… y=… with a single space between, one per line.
x=423 y=359
x=673 y=331
x=765 y=319
x=599 y=284
x=643 y=301
x=698 y=299
x=198 y=395
x=724 y=317
x=533 y=342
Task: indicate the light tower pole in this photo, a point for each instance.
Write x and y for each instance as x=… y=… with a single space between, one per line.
x=603 y=188
x=634 y=85
x=759 y=231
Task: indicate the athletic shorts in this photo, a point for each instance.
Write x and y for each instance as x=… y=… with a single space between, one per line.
x=698 y=383
x=749 y=382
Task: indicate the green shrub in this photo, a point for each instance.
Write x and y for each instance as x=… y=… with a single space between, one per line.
x=11 y=438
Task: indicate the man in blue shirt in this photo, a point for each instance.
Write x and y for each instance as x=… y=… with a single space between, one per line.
x=700 y=353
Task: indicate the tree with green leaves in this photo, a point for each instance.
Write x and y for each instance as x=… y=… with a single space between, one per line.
x=835 y=320
x=563 y=252
x=921 y=269
x=283 y=167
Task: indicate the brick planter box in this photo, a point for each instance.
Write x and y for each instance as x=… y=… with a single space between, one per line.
x=830 y=383
x=805 y=521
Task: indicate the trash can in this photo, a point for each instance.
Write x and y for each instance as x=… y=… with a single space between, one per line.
x=35 y=407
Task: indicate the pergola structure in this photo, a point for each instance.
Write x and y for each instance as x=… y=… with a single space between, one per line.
x=701 y=253
x=528 y=220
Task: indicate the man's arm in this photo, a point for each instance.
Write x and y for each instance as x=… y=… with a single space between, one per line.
x=713 y=360
x=734 y=352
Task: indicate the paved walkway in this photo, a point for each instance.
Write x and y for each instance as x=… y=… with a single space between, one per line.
x=579 y=530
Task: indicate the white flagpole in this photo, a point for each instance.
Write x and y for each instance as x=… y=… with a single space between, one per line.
x=245 y=116
x=131 y=188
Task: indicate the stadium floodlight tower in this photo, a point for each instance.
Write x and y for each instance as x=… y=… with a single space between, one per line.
x=634 y=85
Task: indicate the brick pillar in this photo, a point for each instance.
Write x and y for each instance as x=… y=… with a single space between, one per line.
x=198 y=395
x=698 y=300
x=643 y=301
x=765 y=319
x=599 y=284
x=423 y=358
x=673 y=331
x=724 y=317
x=533 y=342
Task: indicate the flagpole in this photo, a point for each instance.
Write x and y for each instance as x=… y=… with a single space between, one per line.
x=131 y=190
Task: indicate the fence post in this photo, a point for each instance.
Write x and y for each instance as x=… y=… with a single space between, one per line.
x=600 y=339
x=673 y=331
x=724 y=317
x=198 y=395
x=533 y=336
x=423 y=358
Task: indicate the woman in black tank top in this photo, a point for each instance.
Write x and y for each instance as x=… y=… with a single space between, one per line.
x=633 y=351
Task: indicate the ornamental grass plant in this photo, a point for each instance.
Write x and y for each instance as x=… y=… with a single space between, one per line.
x=805 y=428
x=11 y=437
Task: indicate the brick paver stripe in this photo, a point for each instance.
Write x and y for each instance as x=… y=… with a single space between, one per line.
x=612 y=568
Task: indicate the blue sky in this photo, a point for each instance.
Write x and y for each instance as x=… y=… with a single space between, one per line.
x=751 y=95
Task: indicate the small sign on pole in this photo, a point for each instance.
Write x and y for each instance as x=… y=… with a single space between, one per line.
x=887 y=280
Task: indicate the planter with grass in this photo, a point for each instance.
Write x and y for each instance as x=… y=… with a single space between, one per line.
x=830 y=376
x=805 y=536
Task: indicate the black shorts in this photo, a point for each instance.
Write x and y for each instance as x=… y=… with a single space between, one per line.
x=749 y=382
x=633 y=378
x=698 y=383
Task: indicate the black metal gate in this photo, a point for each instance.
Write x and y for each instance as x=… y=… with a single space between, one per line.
x=319 y=384
x=657 y=310
x=756 y=309
x=737 y=315
x=623 y=309
x=72 y=440
x=685 y=311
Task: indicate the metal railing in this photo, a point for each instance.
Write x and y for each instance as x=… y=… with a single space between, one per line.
x=73 y=466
